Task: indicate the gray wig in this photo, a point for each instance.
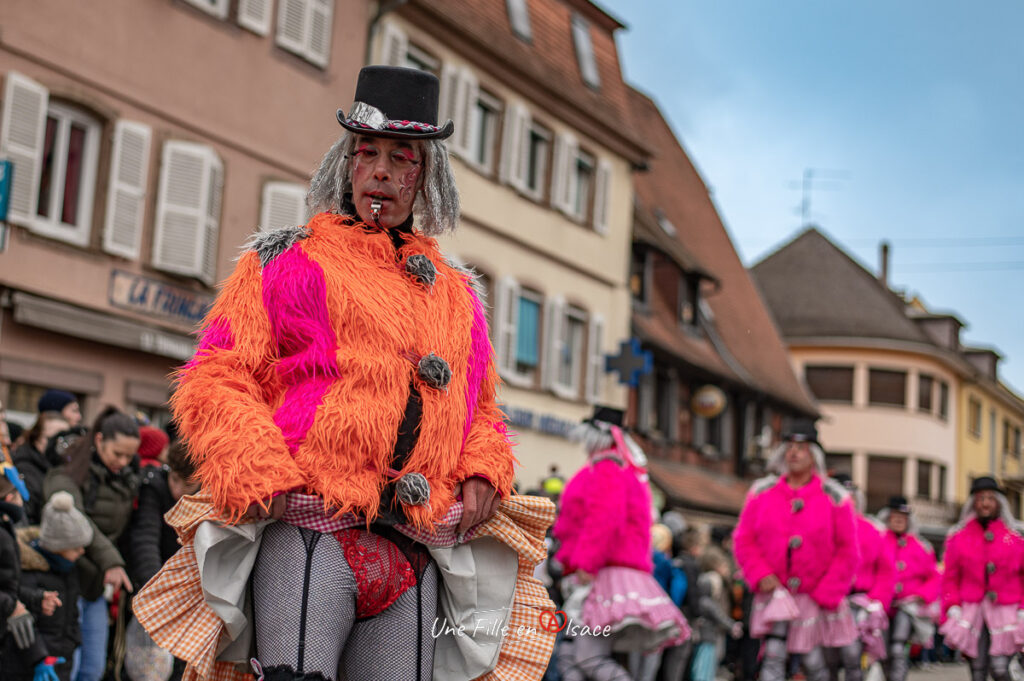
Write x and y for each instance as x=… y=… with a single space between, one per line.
x=437 y=204
x=777 y=461
x=967 y=514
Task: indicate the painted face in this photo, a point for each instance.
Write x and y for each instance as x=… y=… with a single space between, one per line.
x=386 y=170
x=898 y=522
x=118 y=451
x=986 y=505
x=799 y=459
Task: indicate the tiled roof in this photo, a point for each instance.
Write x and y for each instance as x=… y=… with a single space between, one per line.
x=815 y=289
x=696 y=487
x=547 y=63
x=747 y=347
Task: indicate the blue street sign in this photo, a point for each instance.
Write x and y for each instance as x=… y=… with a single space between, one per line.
x=631 y=363
x=6 y=173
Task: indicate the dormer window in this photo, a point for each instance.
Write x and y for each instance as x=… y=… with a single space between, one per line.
x=519 y=17
x=585 y=51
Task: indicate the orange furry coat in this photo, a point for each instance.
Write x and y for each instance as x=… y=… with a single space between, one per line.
x=304 y=368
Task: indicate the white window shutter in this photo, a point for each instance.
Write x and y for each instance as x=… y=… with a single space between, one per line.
x=468 y=129
x=552 y=347
x=292 y=25
x=321 y=25
x=211 y=240
x=449 y=88
x=217 y=8
x=255 y=15
x=394 y=45
x=595 y=360
x=602 y=196
x=572 y=150
x=187 y=210
x=559 y=178
x=519 y=17
x=21 y=142
x=506 y=318
x=514 y=145
x=283 y=205
x=126 y=195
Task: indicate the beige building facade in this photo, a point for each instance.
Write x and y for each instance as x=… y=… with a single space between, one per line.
x=149 y=141
x=547 y=200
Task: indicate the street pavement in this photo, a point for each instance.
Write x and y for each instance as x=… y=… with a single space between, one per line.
x=941 y=672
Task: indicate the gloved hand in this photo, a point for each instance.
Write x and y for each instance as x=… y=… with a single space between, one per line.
x=737 y=630
x=954 y=612
x=23 y=629
x=45 y=670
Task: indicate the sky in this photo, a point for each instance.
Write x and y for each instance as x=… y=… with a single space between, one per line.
x=910 y=114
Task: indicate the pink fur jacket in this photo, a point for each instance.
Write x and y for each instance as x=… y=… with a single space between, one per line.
x=605 y=519
x=982 y=561
x=876 y=573
x=916 y=572
x=806 y=537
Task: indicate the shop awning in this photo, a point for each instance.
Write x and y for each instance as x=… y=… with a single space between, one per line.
x=692 y=487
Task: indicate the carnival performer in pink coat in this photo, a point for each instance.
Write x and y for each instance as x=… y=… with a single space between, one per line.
x=916 y=591
x=604 y=530
x=796 y=543
x=983 y=584
x=871 y=593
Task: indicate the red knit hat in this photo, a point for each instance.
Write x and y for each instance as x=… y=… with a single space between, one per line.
x=153 y=440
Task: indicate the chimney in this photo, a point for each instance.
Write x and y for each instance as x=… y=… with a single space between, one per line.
x=883 y=264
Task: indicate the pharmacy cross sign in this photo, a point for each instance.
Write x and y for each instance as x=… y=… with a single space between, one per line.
x=631 y=363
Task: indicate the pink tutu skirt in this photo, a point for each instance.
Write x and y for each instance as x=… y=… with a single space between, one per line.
x=640 y=614
x=806 y=629
x=838 y=627
x=962 y=633
x=872 y=623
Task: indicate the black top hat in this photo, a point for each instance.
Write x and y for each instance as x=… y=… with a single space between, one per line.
x=984 y=483
x=899 y=503
x=800 y=430
x=392 y=101
x=607 y=415
x=844 y=479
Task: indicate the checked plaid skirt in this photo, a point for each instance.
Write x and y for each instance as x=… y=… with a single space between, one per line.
x=172 y=608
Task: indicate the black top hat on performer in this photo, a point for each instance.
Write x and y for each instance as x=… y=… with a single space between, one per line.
x=606 y=415
x=845 y=480
x=984 y=483
x=800 y=430
x=899 y=503
x=392 y=101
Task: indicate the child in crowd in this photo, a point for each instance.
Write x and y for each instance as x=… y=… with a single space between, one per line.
x=714 y=623
x=50 y=589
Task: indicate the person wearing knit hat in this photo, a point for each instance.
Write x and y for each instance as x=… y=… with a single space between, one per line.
x=62 y=402
x=153 y=444
x=48 y=555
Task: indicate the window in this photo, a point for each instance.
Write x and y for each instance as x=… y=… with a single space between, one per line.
x=217 y=8
x=943 y=400
x=283 y=205
x=667 y=392
x=974 y=416
x=570 y=357
x=942 y=484
x=538 y=148
x=519 y=17
x=924 y=479
x=639 y=274
x=517 y=332
x=187 y=228
x=585 y=51
x=418 y=58
x=485 y=118
x=887 y=387
x=830 y=383
x=580 y=184
x=304 y=28
x=836 y=463
x=885 y=479
x=924 y=393
x=1015 y=449
x=688 y=301
x=527 y=349
x=1011 y=438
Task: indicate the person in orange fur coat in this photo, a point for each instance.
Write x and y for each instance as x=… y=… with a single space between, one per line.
x=344 y=387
